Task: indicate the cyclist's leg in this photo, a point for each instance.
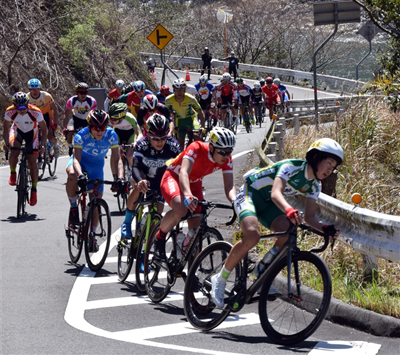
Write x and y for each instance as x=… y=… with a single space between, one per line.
x=32 y=145
x=15 y=141
x=129 y=151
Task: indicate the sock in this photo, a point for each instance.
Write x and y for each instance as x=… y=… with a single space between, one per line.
x=128 y=216
x=224 y=274
x=161 y=235
x=73 y=200
x=34 y=185
x=13 y=170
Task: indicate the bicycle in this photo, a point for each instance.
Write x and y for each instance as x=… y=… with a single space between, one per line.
x=287 y=318
x=229 y=123
x=246 y=118
x=259 y=113
x=190 y=134
x=24 y=182
x=48 y=158
x=208 y=123
x=160 y=276
x=145 y=224
x=122 y=198
x=95 y=237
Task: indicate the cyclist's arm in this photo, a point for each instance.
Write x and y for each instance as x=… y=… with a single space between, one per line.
x=77 y=159
x=137 y=176
x=202 y=119
x=6 y=131
x=53 y=107
x=138 y=133
x=43 y=127
x=184 y=173
x=116 y=164
x=67 y=116
x=230 y=190
x=106 y=102
x=288 y=95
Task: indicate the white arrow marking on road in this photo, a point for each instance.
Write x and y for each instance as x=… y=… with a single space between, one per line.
x=345 y=347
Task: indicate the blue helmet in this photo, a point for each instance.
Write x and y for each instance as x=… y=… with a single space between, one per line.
x=139 y=85
x=34 y=84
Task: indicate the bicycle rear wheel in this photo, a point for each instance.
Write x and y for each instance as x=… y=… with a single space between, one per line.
x=291 y=319
x=199 y=308
x=97 y=238
x=21 y=191
x=52 y=161
x=74 y=235
x=141 y=250
x=247 y=121
x=41 y=163
x=155 y=271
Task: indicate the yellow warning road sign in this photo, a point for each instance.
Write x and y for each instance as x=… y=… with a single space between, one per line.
x=160 y=37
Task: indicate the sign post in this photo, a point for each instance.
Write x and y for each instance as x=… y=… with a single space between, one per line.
x=368 y=31
x=224 y=15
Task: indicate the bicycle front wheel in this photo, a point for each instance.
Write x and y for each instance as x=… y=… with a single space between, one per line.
x=74 y=235
x=292 y=318
x=98 y=234
x=210 y=236
x=52 y=161
x=141 y=252
x=199 y=308
x=41 y=164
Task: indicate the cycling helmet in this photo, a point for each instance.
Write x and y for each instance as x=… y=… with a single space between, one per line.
x=203 y=79
x=262 y=82
x=97 y=118
x=157 y=126
x=139 y=85
x=232 y=52
x=239 y=81
x=324 y=148
x=277 y=81
x=257 y=85
x=205 y=48
x=118 y=110
x=20 y=99
x=226 y=76
x=269 y=80
x=34 y=84
x=222 y=138
x=150 y=101
x=179 y=83
x=119 y=84
x=165 y=90
x=82 y=87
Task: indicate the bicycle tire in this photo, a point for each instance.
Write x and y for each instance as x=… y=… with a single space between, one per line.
x=75 y=242
x=52 y=162
x=122 y=200
x=247 y=121
x=155 y=272
x=288 y=320
x=21 y=191
x=140 y=252
x=41 y=164
x=199 y=308
x=101 y=237
x=125 y=251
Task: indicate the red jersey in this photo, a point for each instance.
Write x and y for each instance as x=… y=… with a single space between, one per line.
x=114 y=94
x=203 y=165
x=227 y=90
x=133 y=102
x=271 y=93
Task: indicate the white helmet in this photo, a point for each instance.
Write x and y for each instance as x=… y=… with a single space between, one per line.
x=257 y=85
x=119 y=84
x=203 y=79
x=226 y=76
x=326 y=147
x=179 y=83
x=277 y=81
x=221 y=137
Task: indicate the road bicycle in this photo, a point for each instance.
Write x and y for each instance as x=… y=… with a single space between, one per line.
x=144 y=226
x=259 y=112
x=24 y=182
x=230 y=122
x=93 y=230
x=47 y=159
x=246 y=118
x=161 y=275
x=209 y=124
x=190 y=134
x=122 y=198
x=287 y=316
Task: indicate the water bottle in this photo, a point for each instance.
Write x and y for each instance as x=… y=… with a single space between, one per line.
x=179 y=242
x=48 y=147
x=142 y=223
x=189 y=236
x=266 y=260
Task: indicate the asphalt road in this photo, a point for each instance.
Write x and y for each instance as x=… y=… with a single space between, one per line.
x=50 y=306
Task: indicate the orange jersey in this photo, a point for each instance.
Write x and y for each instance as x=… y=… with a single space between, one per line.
x=43 y=101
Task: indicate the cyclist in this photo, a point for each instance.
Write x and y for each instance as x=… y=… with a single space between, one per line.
x=150 y=107
x=257 y=97
x=77 y=107
x=262 y=83
x=135 y=97
x=114 y=94
x=126 y=127
x=151 y=154
x=151 y=65
x=185 y=109
x=226 y=95
x=91 y=145
x=163 y=93
x=284 y=92
x=262 y=200
x=271 y=95
x=181 y=185
x=21 y=122
x=244 y=96
x=45 y=102
x=205 y=93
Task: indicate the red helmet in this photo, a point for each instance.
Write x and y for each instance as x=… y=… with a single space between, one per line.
x=165 y=91
x=98 y=118
x=150 y=101
x=269 y=80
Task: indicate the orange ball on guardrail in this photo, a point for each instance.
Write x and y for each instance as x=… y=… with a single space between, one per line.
x=356 y=198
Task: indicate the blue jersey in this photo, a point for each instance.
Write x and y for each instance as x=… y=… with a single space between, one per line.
x=244 y=90
x=205 y=91
x=151 y=162
x=282 y=89
x=161 y=98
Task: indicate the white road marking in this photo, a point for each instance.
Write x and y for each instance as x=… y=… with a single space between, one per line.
x=338 y=347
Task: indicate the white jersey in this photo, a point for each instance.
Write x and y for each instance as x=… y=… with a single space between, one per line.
x=190 y=89
x=26 y=122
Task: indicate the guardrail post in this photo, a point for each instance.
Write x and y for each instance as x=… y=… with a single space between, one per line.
x=282 y=121
x=370 y=267
x=271 y=148
x=278 y=139
x=296 y=124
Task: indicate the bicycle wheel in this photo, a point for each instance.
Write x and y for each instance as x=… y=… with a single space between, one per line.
x=247 y=121
x=291 y=319
x=75 y=242
x=211 y=235
x=21 y=190
x=41 y=164
x=98 y=234
x=52 y=161
x=199 y=308
x=155 y=272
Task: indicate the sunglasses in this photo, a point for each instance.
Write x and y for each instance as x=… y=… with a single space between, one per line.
x=82 y=92
x=140 y=92
x=224 y=153
x=158 y=139
x=21 y=108
x=99 y=129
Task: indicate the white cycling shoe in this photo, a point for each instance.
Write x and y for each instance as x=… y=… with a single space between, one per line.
x=217 y=291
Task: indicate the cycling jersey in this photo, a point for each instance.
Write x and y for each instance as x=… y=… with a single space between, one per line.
x=151 y=162
x=113 y=95
x=254 y=197
x=227 y=90
x=256 y=95
x=282 y=89
x=206 y=91
x=186 y=109
x=127 y=123
x=144 y=114
x=244 y=90
x=161 y=98
x=126 y=129
x=43 y=101
x=191 y=90
x=271 y=93
x=81 y=109
x=27 y=122
x=132 y=100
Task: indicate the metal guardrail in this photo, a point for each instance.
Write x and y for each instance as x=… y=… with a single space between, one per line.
x=342 y=84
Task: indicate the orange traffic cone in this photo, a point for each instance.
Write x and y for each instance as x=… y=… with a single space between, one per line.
x=187 y=74
x=152 y=76
x=224 y=68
